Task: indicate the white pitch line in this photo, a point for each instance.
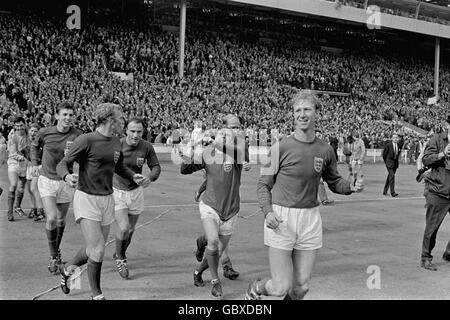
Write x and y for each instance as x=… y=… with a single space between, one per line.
x=254 y=203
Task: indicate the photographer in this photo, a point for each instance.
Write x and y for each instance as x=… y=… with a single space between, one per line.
x=437 y=157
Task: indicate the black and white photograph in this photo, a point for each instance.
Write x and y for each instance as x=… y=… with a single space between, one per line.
x=235 y=152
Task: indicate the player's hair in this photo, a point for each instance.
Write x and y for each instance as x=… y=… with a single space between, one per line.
x=19 y=119
x=305 y=95
x=104 y=111
x=136 y=120
x=65 y=105
x=35 y=125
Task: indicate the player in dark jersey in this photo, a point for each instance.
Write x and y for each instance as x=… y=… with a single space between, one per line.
x=47 y=150
x=99 y=155
x=221 y=202
x=128 y=196
x=287 y=193
x=234 y=123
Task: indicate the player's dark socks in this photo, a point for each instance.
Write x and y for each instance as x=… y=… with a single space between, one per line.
x=226 y=262
x=52 y=241
x=121 y=247
x=203 y=240
x=213 y=261
x=128 y=240
x=203 y=266
x=94 y=270
x=59 y=234
x=11 y=197
x=80 y=258
x=19 y=198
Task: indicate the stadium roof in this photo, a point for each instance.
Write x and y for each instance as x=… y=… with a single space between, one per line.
x=445 y=3
x=432 y=8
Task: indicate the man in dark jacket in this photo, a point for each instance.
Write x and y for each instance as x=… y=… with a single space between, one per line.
x=437 y=193
x=334 y=142
x=391 y=153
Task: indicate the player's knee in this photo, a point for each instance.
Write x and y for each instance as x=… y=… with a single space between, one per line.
x=12 y=187
x=60 y=222
x=213 y=243
x=124 y=228
x=33 y=188
x=97 y=252
x=50 y=223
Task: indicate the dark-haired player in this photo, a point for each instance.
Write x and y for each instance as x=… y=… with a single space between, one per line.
x=222 y=160
x=232 y=122
x=129 y=196
x=99 y=155
x=47 y=150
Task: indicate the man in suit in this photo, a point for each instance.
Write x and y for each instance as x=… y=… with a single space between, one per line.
x=334 y=142
x=391 y=153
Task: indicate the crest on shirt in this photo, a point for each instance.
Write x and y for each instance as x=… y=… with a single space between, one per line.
x=116 y=156
x=318 y=164
x=140 y=162
x=68 y=145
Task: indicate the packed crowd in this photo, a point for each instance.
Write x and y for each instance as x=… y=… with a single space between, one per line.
x=43 y=63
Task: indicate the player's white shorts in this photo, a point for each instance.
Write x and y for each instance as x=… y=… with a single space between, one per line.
x=29 y=171
x=93 y=207
x=133 y=200
x=360 y=162
x=300 y=229
x=55 y=188
x=19 y=167
x=226 y=228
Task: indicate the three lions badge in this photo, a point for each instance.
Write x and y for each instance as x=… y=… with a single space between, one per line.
x=318 y=164
x=140 y=162
x=68 y=146
x=116 y=156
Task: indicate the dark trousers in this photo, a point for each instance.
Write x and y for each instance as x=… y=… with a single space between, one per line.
x=390 y=181
x=437 y=209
